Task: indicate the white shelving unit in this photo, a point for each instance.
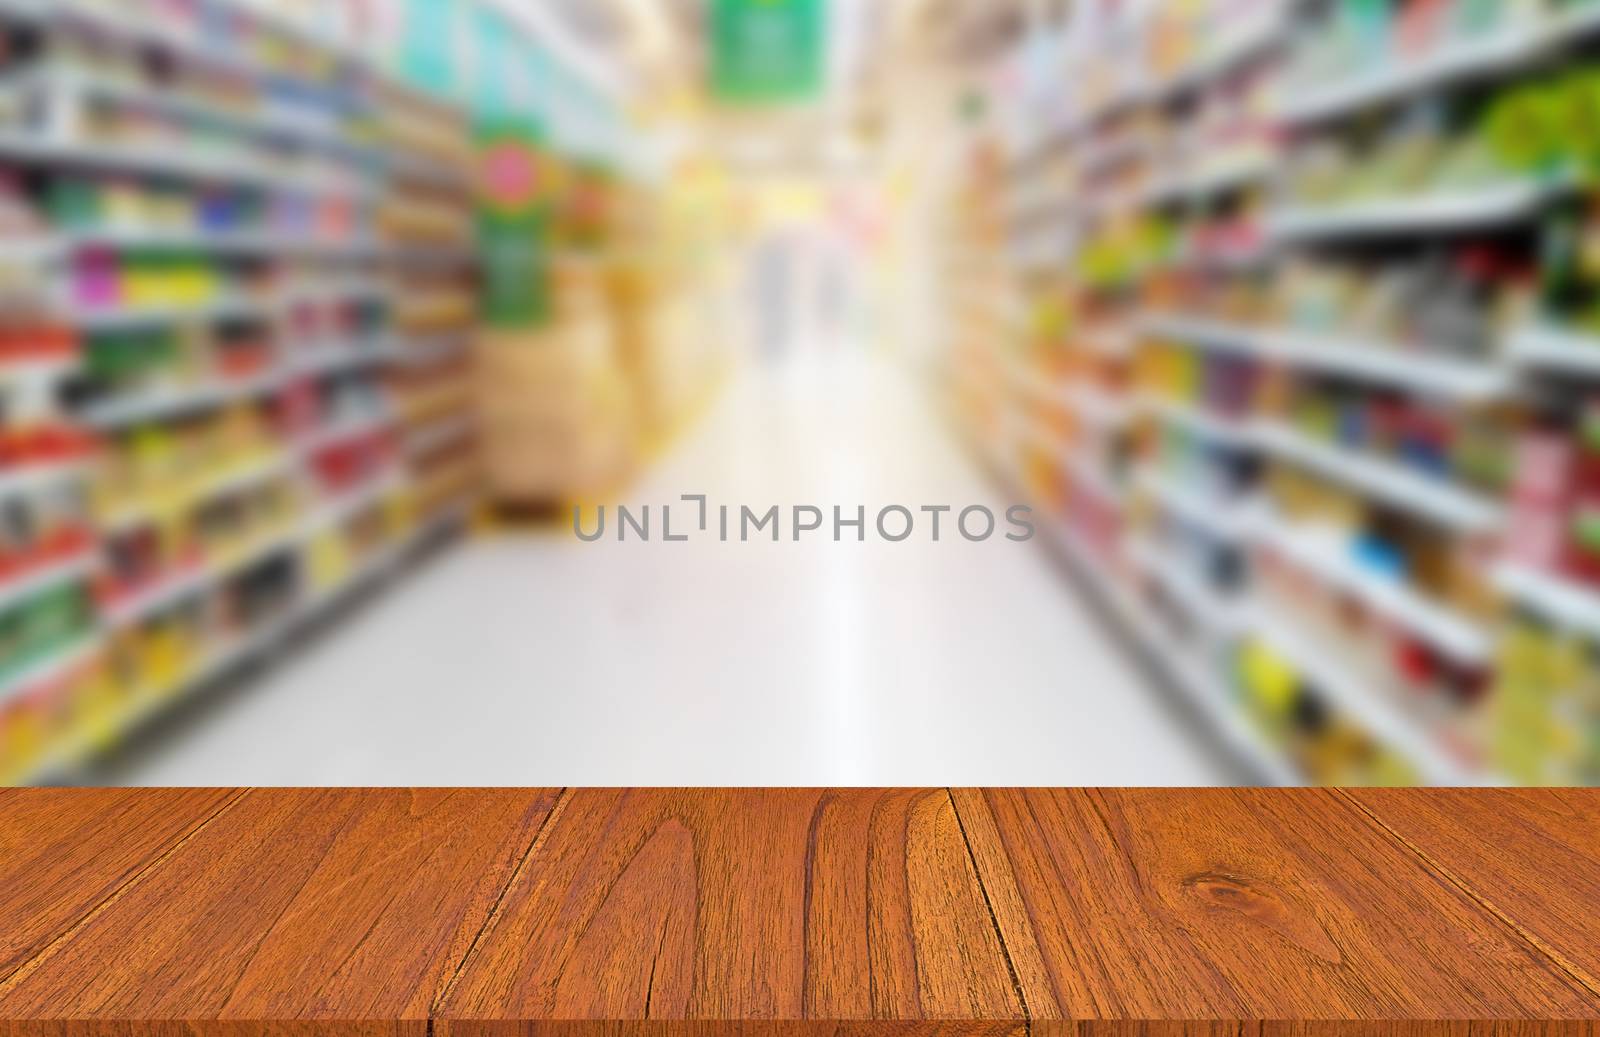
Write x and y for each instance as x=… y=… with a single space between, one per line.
x=1437 y=735
x=1569 y=604
x=1480 y=208
x=1225 y=520
x=1547 y=347
x=54 y=664
x=46 y=576
x=1495 y=53
x=1220 y=615
x=1186 y=672
x=1347 y=356
x=1421 y=494
x=1219 y=430
x=1331 y=559
x=246 y=152
x=1378 y=713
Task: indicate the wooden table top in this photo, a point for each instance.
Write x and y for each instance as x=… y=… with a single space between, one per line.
x=794 y=911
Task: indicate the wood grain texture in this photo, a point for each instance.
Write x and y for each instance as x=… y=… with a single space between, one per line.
x=743 y=904
x=1531 y=856
x=794 y=913
x=334 y=904
x=1240 y=905
x=63 y=853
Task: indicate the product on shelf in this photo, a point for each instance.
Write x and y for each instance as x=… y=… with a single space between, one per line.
x=1332 y=304
x=191 y=269
x=1546 y=719
x=1327 y=746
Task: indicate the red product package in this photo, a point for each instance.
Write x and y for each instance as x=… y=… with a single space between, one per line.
x=1583 y=523
x=1540 y=497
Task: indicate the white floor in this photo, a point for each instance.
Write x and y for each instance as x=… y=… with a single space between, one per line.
x=544 y=660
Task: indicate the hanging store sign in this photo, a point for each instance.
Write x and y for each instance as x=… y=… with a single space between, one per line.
x=767 y=51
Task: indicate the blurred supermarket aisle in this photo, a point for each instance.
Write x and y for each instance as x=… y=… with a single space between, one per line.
x=553 y=661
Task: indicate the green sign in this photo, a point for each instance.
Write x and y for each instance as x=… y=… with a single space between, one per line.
x=766 y=51
x=514 y=192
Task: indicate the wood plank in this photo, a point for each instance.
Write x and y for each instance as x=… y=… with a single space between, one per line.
x=1320 y=1028
x=63 y=853
x=737 y=1028
x=207 y=1028
x=792 y=913
x=336 y=905
x=787 y=904
x=1532 y=856
x=1240 y=906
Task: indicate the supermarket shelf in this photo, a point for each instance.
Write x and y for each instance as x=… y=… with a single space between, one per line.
x=263 y=124
x=1216 y=612
x=1375 y=712
x=1113 y=155
x=53 y=666
x=1238 y=435
x=343 y=506
x=22 y=10
x=1193 y=677
x=1198 y=682
x=1098 y=407
x=1557 y=598
x=1550 y=347
x=345 y=429
x=379 y=563
x=151 y=159
x=274 y=17
x=1325 y=553
x=30 y=250
x=1386 y=363
x=1498 y=51
x=1207 y=180
x=148 y=32
x=1236 y=259
x=143 y=704
x=225 y=242
x=1223 y=520
x=18 y=589
x=337 y=359
x=100 y=318
x=1245 y=39
x=350 y=289
x=1468 y=210
x=231 y=480
x=37 y=372
x=295 y=149
x=168 y=402
x=1202 y=331
x=1111 y=342
x=1421 y=494
x=1090 y=476
x=33 y=478
x=170 y=591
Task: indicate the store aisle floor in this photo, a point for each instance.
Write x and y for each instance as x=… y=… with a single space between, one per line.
x=543 y=660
